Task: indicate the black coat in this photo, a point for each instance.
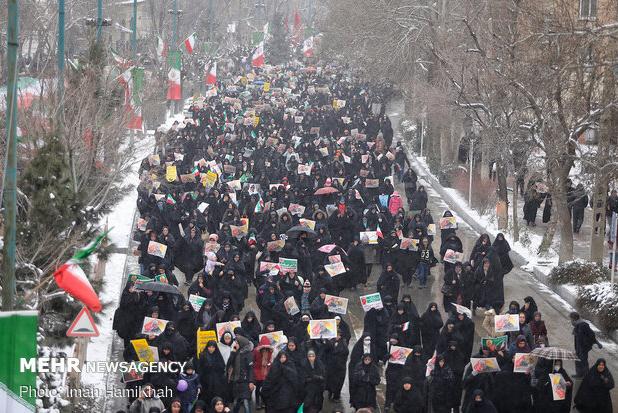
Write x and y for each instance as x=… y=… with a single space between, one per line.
x=211 y=369
x=409 y=401
x=280 y=388
x=544 y=398
x=442 y=389
x=363 y=384
x=431 y=323
x=502 y=247
x=336 y=359
x=314 y=384
x=594 y=395
x=388 y=284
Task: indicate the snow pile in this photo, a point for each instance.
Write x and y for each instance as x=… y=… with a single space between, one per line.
x=601 y=300
x=52 y=385
x=578 y=272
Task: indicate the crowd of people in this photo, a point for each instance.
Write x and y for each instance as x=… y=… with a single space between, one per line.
x=284 y=183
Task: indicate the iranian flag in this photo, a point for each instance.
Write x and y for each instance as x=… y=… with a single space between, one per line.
x=161 y=48
x=379 y=232
x=258 y=55
x=170 y=200
x=308 y=47
x=211 y=76
x=71 y=278
x=174 y=91
x=189 y=44
x=135 y=100
x=17 y=341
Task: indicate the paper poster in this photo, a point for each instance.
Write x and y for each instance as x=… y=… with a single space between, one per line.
x=337 y=305
x=398 y=355
x=485 y=365
x=325 y=329
x=211 y=247
x=229 y=169
x=238 y=231
x=494 y=343
x=347 y=120
x=333 y=259
x=327 y=249
x=431 y=364
x=523 y=363
x=290 y=306
x=369 y=237
x=133 y=374
x=453 y=256
x=170 y=173
x=431 y=229
x=335 y=269
x=157 y=249
x=298 y=119
x=154 y=160
x=142 y=224
x=274 y=338
x=307 y=223
x=315 y=130
x=267 y=266
x=296 y=209
x=227 y=326
x=153 y=326
x=558 y=386
x=234 y=185
x=323 y=151
x=288 y=265
x=370 y=301
x=506 y=322
x=372 y=183
x=203 y=337
x=196 y=301
x=202 y=207
x=275 y=246
x=463 y=310
x=448 y=223
x=143 y=351
x=303 y=169
x=410 y=244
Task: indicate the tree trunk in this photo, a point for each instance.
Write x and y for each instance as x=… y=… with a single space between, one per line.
x=515 y=210
x=559 y=198
x=503 y=200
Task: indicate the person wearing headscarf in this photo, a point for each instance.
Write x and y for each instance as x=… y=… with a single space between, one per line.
x=282 y=385
x=431 y=323
x=363 y=381
x=409 y=398
x=313 y=378
x=443 y=393
x=480 y=404
x=502 y=248
x=544 y=396
x=239 y=371
x=211 y=368
x=593 y=395
x=335 y=358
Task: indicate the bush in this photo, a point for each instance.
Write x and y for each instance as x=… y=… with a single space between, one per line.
x=600 y=300
x=447 y=174
x=578 y=273
x=483 y=190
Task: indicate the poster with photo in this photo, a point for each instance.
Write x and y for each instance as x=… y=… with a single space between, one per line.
x=398 y=355
x=153 y=326
x=337 y=305
x=370 y=301
x=506 y=322
x=323 y=329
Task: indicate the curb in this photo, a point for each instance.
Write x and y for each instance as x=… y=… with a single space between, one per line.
x=516 y=257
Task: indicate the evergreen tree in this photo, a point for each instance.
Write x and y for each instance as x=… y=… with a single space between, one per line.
x=278 y=46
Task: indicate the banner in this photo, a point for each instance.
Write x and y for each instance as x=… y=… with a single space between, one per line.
x=153 y=326
x=196 y=301
x=288 y=265
x=485 y=365
x=290 y=306
x=337 y=305
x=494 y=343
x=157 y=249
x=370 y=301
x=398 y=355
x=325 y=329
x=506 y=322
x=18 y=341
x=203 y=337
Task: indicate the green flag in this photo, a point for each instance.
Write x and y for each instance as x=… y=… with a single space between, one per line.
x=17 y=341
x=256 y=38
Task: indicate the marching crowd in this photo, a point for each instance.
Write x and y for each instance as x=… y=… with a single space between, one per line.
x=284 y=182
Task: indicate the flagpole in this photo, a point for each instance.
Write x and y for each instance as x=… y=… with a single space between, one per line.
x=134 y=33
x=10 y=175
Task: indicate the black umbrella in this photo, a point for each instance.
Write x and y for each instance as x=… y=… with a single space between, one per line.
x=160 y=287
x=296 y=231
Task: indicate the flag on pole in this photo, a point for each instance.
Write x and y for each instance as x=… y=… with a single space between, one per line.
x=211 y=76
x=379 y=232
x=135 y=100
x=308 y=47
x=71 y=278
x=189 y=43
x=174 y=91
x=297 y=29
x=120 y=61
x=18 y=341
x=161 y=48
x=170 y=200
x=258 y=55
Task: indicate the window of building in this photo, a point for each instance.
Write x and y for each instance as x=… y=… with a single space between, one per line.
x=588 y=9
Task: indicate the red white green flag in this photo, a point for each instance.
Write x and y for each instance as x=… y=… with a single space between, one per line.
x=308 y=47
x=174 y=91
x=72 y=279
x=258 y=55
x=189 y=44
x=161 y=48
x=211 y=76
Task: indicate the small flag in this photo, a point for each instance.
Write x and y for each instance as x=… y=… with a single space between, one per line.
x=189 y=43
x=161 y=48
x=211 y=76
x=71 y=278
x=379 y=232
x=258 y=55
x=196 y=172
x=308 y=47
x=174 y=91
x=259 y=206
x=170 y=200
x=405 y=326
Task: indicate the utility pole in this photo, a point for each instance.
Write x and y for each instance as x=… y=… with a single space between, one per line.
x=99 y=19
x=134 y=33
x=60 y=55
x=10 y=175
x=175 y=24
